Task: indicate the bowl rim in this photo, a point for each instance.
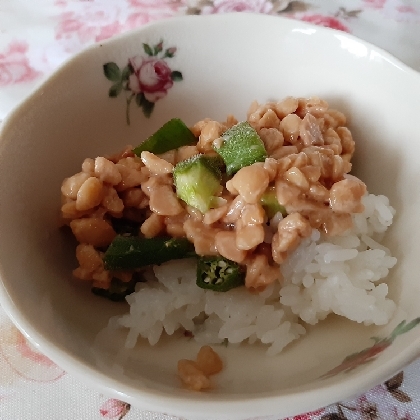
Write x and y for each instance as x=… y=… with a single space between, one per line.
x=290 y=401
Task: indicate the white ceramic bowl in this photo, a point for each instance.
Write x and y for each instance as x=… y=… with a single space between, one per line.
x=225 y=62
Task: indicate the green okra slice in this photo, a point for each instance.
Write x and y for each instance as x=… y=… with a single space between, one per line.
x=118 y=289
x=240 y=146
x=171 y=135
x=131 y=252
x=270 y=203
x=125 y=227
x=219 y=274
x=197 y=181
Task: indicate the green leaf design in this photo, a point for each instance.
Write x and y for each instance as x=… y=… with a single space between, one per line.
x=147 y=107
x=147 y=49
x=176 y=76
x=404 y=327
x=411 y=325
x=398 y=328
x=140 y=99
x=112 y=72
x=115 y=90
x=169 y=52
x=158 y=48
x=127 y=108
x=369 y=354
x=126 y=73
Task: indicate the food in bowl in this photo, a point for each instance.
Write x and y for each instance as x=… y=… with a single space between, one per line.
x=234 y=231
x=195 y=374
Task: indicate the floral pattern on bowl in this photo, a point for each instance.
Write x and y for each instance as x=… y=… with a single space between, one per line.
x=146 y=78
x=370 y=353
x=386 y=401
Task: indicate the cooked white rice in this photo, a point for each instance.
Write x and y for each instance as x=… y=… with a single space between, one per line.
x=340 y=275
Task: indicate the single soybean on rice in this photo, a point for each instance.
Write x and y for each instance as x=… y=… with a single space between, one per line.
x=234 y=231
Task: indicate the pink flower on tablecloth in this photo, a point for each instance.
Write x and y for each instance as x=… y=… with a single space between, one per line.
x=88 y=22
x=156 y=4
x=381 y=402
x=114 y=409
x=401 y=12
x=375 y=4
x=257 y=6
x=396 y=10
x=15 y=66
x=406 y=9
x=93 y=27
x=225 y=6
x=327 y=21
x=139 y=18
x=307 y=416
x=387 y=401
x=152 y=76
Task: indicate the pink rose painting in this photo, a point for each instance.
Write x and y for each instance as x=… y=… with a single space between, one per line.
x=152 y=76
x=145 y=79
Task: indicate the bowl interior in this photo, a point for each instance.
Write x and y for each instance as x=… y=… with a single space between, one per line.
x=71 y=117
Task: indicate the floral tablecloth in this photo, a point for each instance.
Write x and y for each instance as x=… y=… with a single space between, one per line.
x=35 y=38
